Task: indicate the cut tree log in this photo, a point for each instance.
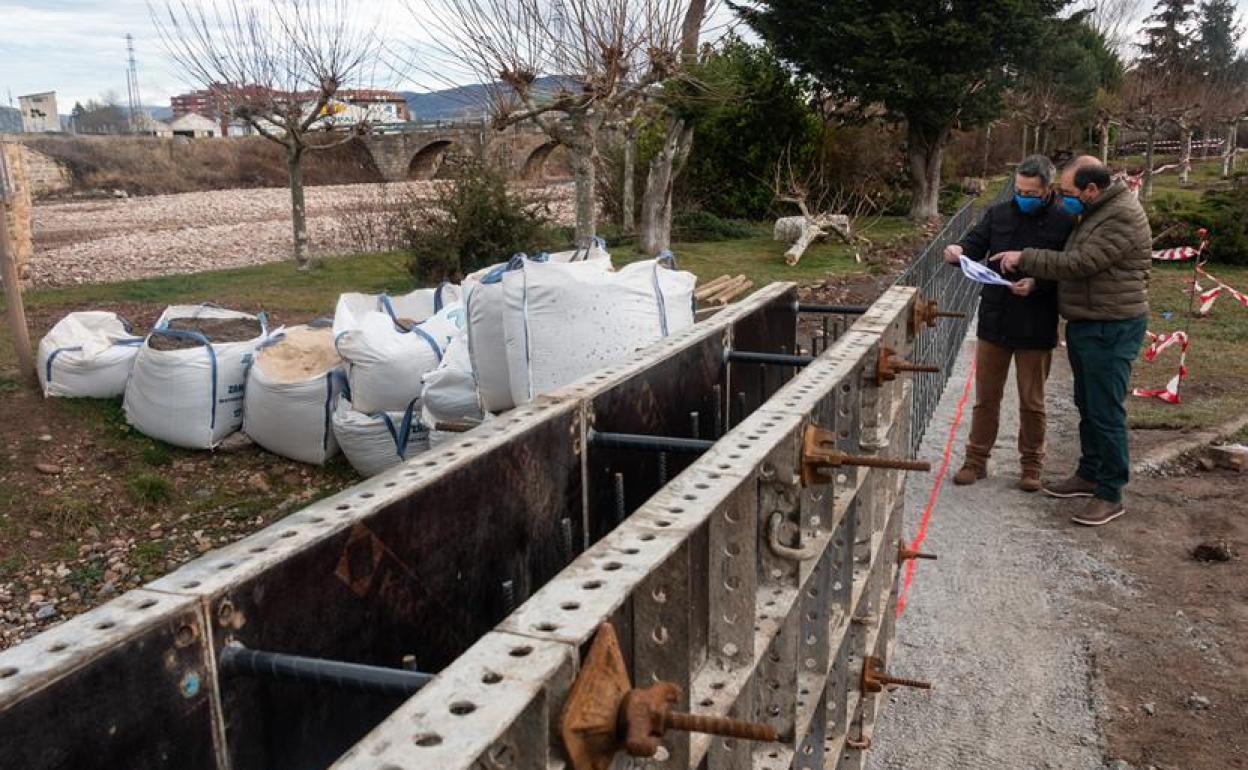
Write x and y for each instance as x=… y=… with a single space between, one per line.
x=801 y=231
x=711 y=287
x=732 y=289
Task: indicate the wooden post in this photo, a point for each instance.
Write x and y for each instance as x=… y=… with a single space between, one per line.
x=13 y=182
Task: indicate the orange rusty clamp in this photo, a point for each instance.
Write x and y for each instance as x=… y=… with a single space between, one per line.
x=604 y=714
x=819 y=453
x=926 y=312
x=888 y=365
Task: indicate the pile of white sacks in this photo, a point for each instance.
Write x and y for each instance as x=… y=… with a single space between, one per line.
x=376 y=381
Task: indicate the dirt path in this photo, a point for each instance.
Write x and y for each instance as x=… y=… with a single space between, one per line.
x=1050 y=644
x=101 y=240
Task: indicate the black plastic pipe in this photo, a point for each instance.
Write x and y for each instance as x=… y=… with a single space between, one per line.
x=803 y=307
x=649 y=443
x=774 y=359
x=237 y=660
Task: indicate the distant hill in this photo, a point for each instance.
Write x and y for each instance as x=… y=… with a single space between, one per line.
x=462 y=102
x=10 y=120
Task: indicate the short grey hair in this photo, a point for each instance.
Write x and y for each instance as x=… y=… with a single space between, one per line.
x=1037 y=167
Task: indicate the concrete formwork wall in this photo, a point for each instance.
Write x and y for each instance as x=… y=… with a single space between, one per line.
x=411 y=562
x=758 y=596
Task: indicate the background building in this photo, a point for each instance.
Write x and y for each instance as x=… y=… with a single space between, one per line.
x=39 y=112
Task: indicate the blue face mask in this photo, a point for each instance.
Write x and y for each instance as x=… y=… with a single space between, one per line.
x=1073 y=204
x=1028 y=204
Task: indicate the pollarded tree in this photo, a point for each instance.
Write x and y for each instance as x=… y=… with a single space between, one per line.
x=566 y=65
x=936 y=66
x=277 y=65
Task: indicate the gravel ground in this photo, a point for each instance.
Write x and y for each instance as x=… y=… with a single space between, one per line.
x=103 y=240
x=998 y=623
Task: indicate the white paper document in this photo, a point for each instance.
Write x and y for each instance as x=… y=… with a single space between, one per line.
x=982 y=273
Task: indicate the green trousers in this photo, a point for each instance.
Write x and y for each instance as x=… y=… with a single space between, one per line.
x=1101 y=354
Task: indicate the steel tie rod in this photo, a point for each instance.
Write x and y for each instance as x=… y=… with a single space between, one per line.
x=774 y=359
x=235 y=659
x=676 y=444
x=806 y=307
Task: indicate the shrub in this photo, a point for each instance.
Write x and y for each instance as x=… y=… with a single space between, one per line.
x=1223 y=212
x=475 y=221
x=699 y=225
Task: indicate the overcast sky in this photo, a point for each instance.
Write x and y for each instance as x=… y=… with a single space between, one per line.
x=78 y=49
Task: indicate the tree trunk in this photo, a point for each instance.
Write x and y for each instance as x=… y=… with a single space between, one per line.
x=583 y=149
x=983 y=166
x=629 y=196
x=1228 y=152
x=1026 y=135
x=1147 y=191
x=656 y=202
x=1204 y=142
x=1104 y=141
x=925 y=149
x=298 y=210
x=1185 y=156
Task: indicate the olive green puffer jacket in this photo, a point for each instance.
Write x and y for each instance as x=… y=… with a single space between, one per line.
x=1103 y=271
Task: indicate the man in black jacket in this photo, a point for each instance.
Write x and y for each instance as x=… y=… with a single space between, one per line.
x=1017 y=322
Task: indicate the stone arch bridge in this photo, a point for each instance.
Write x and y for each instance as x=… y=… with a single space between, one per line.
x=423 y=150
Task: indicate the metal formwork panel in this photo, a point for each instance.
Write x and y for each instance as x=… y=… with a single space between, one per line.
x=797 y=583
x=145 y=663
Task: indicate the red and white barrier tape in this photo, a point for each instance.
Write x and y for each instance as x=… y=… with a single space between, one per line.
x=1158 y=343
x=1208 y=297
x=1179 y=253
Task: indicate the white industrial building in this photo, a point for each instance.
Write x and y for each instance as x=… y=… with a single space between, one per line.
x=39 y=113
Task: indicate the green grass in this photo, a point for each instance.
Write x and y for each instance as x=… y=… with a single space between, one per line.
x=1217 y=363
x=275 y=286
x=762 y=260
x=149 y=488
x=279 y=288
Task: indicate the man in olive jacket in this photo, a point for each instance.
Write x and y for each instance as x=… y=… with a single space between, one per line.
x=1102 y=279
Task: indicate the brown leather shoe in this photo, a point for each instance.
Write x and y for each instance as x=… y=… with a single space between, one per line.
x=1029 y=481
x=969 y=474
x=1097 y=512
x=1075 y=486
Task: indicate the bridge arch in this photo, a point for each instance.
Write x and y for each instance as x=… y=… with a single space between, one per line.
x=534 y=167
x=427 y=162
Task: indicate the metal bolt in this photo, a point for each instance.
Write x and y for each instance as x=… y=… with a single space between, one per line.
x=905 y=554
x=620 y=509
x=875 y=679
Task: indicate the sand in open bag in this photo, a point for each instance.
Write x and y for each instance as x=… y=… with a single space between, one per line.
x=304 y=352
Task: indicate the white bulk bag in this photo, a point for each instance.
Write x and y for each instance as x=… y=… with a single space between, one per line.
x=485 y=307
x=191 y=397
x=450 y=392
x=87 y=354
x=420 y=304
x=373 y=443
x=385 y=362
x=291 y=390
x=563 y=321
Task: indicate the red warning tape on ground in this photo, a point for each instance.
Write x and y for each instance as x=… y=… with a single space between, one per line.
x=1158 y=343
x=934 y=494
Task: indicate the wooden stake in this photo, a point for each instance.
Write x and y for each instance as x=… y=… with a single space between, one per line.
x=11 y=180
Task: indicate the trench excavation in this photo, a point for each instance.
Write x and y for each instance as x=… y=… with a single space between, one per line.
x=437 y=615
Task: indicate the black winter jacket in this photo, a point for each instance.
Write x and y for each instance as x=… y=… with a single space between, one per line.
x=1006 y=319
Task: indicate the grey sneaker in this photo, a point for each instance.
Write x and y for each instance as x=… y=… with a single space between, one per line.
x=1075 y=486
x=1097 y=512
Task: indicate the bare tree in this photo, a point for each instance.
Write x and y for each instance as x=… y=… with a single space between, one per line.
x=1152 y=99
x=1114 y=19
x=278 y=66
x=665 y=166
x=567 y=65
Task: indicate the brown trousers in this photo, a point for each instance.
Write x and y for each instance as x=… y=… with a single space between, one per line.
x=992 y=369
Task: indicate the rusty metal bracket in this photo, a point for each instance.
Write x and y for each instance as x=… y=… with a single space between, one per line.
x=875 y=679
x=859 y=744
x=905 y=553
x=604 y=715
x=819 y=453
x=926 y=312
x=889 y=365
x=778 y=547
